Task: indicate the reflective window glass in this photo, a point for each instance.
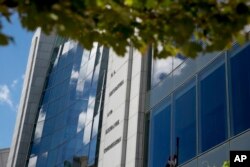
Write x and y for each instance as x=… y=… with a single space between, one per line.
x=160 y=136
x=213 y=110
x=52 y=155
x=185 y=121
x=161 y=68
x=92 y=151
x=60 y=130
x=42 y=160
x=240 y=78
x=32 y=161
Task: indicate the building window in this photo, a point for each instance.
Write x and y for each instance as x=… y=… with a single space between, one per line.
x=185 y=121
x=160 y=135
x=240 y=79
x=213 y=110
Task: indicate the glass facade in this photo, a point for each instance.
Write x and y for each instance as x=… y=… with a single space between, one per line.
x=161 y=68
x=240 y=86
x=185 y=121
x=213 y=108
x=203 y=111
x=67 y=128
x=160 y=139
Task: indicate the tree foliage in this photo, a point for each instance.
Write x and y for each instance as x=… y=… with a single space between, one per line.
x=171 y=26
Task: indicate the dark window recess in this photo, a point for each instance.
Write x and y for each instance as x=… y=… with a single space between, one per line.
x=117 y=87
x=112 y=74
x=112 y=145
x=109 y=113
x=112 y=127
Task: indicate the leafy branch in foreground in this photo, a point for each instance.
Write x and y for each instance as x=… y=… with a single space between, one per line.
x=171 y=26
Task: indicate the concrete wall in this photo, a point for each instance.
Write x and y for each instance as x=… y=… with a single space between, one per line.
x=4 y=153
x=122 y=138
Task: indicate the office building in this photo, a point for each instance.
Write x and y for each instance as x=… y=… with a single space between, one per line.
x=4 y=156
x=94 y=108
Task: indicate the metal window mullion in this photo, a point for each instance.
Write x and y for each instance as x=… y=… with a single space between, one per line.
x=197 y=114
x=227 y=77
x=171 y=125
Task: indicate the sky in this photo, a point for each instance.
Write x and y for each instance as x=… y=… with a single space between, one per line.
x=13 y=61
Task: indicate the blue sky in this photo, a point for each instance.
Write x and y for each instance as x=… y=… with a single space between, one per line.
x=13 y=60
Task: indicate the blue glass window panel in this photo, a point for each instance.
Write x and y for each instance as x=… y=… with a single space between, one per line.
x=91 y=65
x=86 y=90
x=240 y=77
x=73 y=115
x=70 y=147
x=42 y=160
x=87 y=133
x=39 y=130
x=95 y=126
x=45 y=144
x=79 y=143
x=52 y=155
x=92 y=92
x=61 y=120
x=57 y=138
x=92 y=151
x=56 y=91
x=67 y=71
x=55 y=77
x=42 y=113
x=185 y=121
x=60 y=76
x=161 y=68
x=90 y=111
x=46 y=96
x=78 y=55
x=81 y=121
x=72 y=93
x=49 y=125
x=35 y=147
x=160 y=136
x=85 y=56
x=32 y=161
x=60 y=151
x=70 y=131
x=52 y=94
x=213 y=110
x=63 y=102
x=81 y=105
x=51 y=80
x=58 y=100
x=86 y=149
x=65 y=85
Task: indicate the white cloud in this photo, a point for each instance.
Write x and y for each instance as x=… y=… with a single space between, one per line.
x=14 y=83
x=5 y=97
x=81 y=121
x=74 y=75
x=163 y=67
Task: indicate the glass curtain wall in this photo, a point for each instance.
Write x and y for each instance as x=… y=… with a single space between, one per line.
x=198 y=111
x=185 y=121
x=67 y=131
x=213 y=107
x=160 y=138
x=240 y=86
